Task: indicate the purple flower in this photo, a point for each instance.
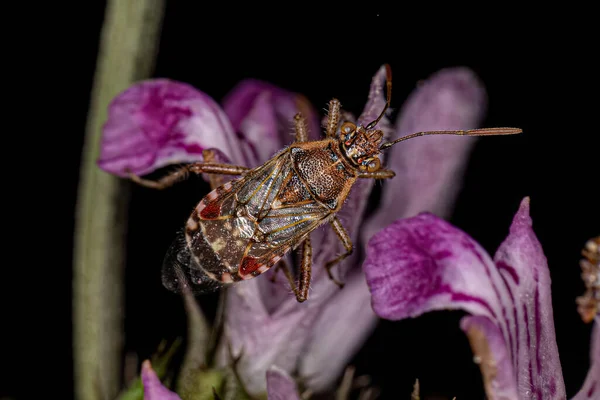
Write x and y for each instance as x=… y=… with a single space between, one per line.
x=423 y=263
x=159 y=122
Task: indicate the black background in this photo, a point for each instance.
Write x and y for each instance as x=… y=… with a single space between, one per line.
x=538 y=75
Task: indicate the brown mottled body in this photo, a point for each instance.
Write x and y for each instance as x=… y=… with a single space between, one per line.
x=245 y=226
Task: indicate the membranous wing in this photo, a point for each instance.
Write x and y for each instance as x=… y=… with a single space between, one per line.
x=243 y=228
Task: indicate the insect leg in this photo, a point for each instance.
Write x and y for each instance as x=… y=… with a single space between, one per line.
x=300 y=290
x=215 y=180
x=381 y=174
x=333 y=117
x=301 y=128
x=183 y=172
x=339 y=230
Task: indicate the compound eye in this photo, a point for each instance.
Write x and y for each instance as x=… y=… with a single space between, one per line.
x=347 y=130
x=372 y=164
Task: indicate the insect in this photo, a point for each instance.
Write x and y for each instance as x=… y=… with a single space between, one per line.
x=589 y=303
x=244 y=227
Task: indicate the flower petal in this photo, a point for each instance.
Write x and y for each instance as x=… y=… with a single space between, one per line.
x=493 y=357
x=159 y=122
x=280 y=386
x=263 y=116
x=328 y=352
x=429 y=169
x=268 y=336
x=591 y=385
x=424 y=263
x=521 y=261
x=153 y=388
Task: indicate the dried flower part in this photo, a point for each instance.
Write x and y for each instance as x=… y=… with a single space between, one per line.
x=588 y=305
x=423 y=263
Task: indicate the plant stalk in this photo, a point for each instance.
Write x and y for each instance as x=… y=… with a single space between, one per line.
x=128 y=48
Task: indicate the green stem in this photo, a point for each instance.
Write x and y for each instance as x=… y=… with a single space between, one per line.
x=128 y=48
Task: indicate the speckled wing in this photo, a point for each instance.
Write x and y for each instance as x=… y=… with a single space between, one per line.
x=243 y=228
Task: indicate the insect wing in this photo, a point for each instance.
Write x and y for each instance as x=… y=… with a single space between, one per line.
x=180 y=272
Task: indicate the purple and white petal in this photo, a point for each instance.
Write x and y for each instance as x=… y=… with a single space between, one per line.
x=263 y=340
x=340 y=330
x=262 y=114
x=159 y=122
x=591 y=385
x=153 y=388
x=280 y=386
x=493 y=356
x=532 y=340
x=423 y=263
x=429 y=169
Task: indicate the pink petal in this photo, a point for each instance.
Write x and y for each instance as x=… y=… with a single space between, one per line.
x=345 y=323
x=491 y=352
x=280 y=386
x=523 y=266
x=153 y=388
x=424 y=263
x=429 y=169
x=591 y=385
x=159 y=122
x=280 y=335
x=263 y=114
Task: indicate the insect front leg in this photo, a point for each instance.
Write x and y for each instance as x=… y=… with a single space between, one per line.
x=300 y=290
x=381 y=174
x=183 y=173
x=338 y=228
x=301 y=128
x=333 y=117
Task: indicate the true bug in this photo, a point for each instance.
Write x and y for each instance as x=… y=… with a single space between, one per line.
x=245 y=226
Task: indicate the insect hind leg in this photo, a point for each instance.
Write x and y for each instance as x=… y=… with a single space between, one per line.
x=301 y=289
x=183 y=172
x=338 y=228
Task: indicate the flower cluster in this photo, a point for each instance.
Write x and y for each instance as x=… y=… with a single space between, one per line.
x=416 y=264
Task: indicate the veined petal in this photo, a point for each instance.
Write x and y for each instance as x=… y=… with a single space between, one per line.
x=591 y=385
x=429 y=169
x=532 y=340
x=280 y=386
x=153 y=388
x=159 y=122
x=263 y=116
x=493 y=356
x=423 y=263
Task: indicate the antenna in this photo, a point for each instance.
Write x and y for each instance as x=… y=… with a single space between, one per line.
x=470 y=132
x=388 y=82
